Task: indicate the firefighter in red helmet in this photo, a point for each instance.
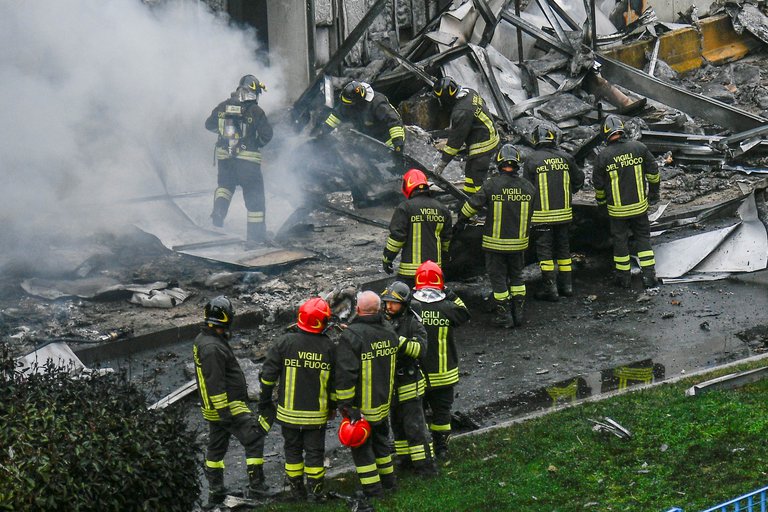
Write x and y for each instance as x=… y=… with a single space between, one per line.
x=442 y=311
x=303 y=363
x=420 y=228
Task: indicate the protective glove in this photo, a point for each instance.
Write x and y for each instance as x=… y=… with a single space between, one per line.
x=267 y=408
x=440 y=167
x=225 y=415
x=351 y=413
x=461 y=224
x=653 y=197
x=387 y=266
x=397 y=147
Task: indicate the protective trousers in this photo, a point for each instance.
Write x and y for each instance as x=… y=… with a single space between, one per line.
x=505 y=271
x=373 y=460
x=234 y=172
x=245 y=428
x=640 y=229
x=440 y=401
x=304 y=455
x=410 y=431
x=475 y=172
x=553 y=246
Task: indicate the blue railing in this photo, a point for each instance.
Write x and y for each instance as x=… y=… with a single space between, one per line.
x=755 y=501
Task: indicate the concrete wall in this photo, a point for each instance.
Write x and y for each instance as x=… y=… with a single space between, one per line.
x=288 y=43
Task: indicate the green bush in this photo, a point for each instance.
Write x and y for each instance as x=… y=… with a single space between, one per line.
x=90 y=444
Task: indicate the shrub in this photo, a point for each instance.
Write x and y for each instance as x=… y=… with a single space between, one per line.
x=90 y=444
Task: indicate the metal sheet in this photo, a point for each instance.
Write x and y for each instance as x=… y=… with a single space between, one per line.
x=746 y=250
x=237 y=255
x=674 y=259
x=466 y=72
x=58 y=353
x=677 y=97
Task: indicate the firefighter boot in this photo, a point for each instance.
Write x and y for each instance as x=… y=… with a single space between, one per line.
x=296 y=489
x=440 y=444
x=220 y=208
x=503 y=316
x=426 y=468
x=389 y=482
x=256 y=233
x=518 y=311
x=257 y=486
x=316 y=490
x=216 y=490
x=623 y=279
x=564 y=284
x=548 y=289
x=649 y=277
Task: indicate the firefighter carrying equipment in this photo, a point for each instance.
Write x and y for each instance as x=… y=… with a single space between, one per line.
x=304 y=363
x=370 y=112
x=242 y=127
x=429 y=275
x=219 y=312
x=365 y=366
x=413 y=180
x=354 y=434
x=508 y=200
x=420 y=227
x=313 y=315
x=620 y=174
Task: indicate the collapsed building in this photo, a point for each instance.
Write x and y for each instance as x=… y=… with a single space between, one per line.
x=690 y=86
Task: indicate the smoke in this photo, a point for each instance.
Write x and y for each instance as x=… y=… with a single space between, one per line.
x=105 y=101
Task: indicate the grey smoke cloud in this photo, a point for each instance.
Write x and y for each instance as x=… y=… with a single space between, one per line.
x=106 y=100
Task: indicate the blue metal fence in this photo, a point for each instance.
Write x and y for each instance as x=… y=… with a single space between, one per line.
x=755 y=501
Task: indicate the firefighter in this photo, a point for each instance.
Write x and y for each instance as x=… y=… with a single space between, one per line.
x=370 y=112
x=555 y=177
x=471 y=124
x=407 y=414
x=420 y=227
x=223 y=392
x=243 y=129
x=508 y=199
x=365 y=367
x=622 y=169
x=442 y=312
x=303 y=362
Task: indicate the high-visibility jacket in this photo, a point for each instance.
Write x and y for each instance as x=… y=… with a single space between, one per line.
x=509 y=203
x=471 y=124
x=556 y=176
x=441 y=314
x=243 y=129
x=220 y=380
x=409 y=379
x=621 y=171
x=365 y=366
x=421 y=228
x=374 y=116
x=303 y=363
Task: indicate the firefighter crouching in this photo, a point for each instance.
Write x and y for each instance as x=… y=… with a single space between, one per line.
x=622 y=169
x=303 y=363
x=420 y=228
x=441 y=313
x=471 y=124
x=508 y=200
x=412 y=445
x=223 y=392
x=243 y=130
x=370 y=112
x=556 y=177
x=365 y=367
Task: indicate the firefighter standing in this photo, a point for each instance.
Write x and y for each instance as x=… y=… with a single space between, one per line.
x=365 y=367
x=622 y=169
x=508 y=200
x=555 y=176
x=370 y=112
x=223 y=392
x=471 y=124
x=441 y=313
x=303 y=362
x=420 y=227
x=243 y=130
x=407 y=414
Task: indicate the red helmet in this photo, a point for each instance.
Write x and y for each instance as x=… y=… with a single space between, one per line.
x=354 y=434
x=314 y=315
x=429 y=275
x=412 y=180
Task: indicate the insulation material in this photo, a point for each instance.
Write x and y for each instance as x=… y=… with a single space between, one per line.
x=674 y=259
